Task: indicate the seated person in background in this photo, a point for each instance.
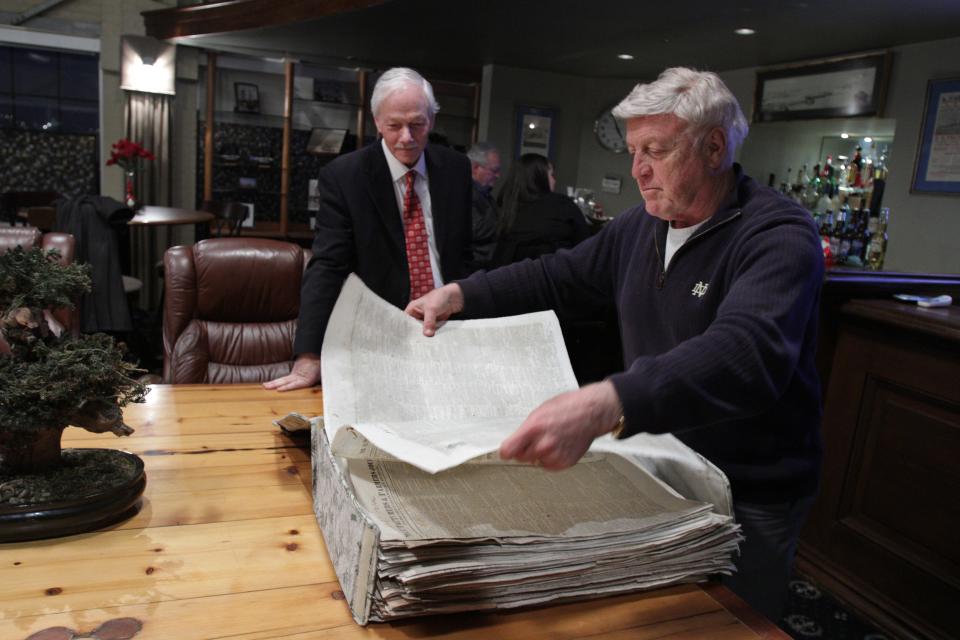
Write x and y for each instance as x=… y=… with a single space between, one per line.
x=717 y=282
x=396 y=213
x=485 y=165
x=533 y=219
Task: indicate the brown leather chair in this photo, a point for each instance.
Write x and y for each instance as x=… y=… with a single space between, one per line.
x=230 y=310
x=29 y=237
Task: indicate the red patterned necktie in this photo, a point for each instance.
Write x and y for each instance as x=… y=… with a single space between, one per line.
x=415 y=233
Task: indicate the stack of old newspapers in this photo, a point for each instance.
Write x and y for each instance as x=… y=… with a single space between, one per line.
x=419 y=514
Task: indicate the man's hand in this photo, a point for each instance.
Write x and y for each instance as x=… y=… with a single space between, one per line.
x=558 y=432
x=436 y=306
x=305 y=373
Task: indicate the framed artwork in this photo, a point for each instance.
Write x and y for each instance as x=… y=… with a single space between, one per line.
x=536 y=131
x=326 y=141
x=937 y=166
x=850 y=87
x=246 y=97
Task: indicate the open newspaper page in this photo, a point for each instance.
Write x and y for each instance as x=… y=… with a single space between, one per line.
x=411 y=430
x=434 y=402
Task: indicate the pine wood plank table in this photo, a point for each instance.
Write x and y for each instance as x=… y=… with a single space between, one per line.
x=226 y=546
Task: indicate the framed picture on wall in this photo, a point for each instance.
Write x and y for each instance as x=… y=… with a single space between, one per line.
x=246 y=97
x=937 y=166
x=850 y=87
x=536 y=131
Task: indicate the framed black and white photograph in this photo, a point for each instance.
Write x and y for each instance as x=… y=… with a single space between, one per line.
x=246 y=97
x=851 y=87
x=536 y=131
x=326 y=141
x=937 y=167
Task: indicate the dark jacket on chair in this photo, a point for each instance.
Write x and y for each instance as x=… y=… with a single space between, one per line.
x=91 y=220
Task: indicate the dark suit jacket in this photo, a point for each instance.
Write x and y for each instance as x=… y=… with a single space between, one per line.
x=359 y=230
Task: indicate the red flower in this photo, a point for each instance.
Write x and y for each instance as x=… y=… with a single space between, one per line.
x=127 y=153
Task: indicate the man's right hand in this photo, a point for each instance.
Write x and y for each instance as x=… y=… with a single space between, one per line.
x=305 y=373
x=435 y=307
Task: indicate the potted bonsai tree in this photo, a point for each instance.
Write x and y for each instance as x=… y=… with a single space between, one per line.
x=49 y=380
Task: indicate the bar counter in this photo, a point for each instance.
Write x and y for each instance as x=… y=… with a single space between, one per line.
x=882 y=534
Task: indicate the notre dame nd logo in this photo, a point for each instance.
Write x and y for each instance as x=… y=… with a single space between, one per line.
x=700 y=289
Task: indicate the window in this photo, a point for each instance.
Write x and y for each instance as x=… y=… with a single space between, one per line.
x=44 y=90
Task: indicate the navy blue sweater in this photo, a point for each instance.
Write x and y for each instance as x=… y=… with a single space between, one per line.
x=718 y=349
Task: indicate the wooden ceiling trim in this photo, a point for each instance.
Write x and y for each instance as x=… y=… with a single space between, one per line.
x=237 y=15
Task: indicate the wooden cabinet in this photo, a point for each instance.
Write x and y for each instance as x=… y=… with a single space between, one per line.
x=883 y=532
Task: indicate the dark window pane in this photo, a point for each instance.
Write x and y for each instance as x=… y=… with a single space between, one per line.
x=36 y=113
x=79 y=117
x=79 y=77
x=6 y=111
x=34 y=72
x=5 y=80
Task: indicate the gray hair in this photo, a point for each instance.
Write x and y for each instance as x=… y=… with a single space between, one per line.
x=479 y=151
x=700 y=98
x=399 y=78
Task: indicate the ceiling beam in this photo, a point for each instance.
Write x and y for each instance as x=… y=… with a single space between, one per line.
x=237 y=15
x=33 y=12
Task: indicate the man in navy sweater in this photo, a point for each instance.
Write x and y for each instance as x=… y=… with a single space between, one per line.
x=717 y=281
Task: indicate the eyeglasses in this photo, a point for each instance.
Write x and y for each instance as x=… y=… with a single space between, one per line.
x=116 y=629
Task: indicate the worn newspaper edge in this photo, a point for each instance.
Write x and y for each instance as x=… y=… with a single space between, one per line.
x=680 y=467
x=341 y=409
x=352 y=539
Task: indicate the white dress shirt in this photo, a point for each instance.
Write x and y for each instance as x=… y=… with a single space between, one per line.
x=421 y=185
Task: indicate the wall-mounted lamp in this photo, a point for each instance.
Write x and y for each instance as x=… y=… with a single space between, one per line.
x=147 y=65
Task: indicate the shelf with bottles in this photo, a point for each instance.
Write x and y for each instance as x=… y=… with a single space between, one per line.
x=857 y=184
x=854 y=238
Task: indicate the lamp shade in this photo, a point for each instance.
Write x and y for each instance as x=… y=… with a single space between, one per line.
x=147 y=65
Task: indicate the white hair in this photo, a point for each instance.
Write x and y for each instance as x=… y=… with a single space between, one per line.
x=480 y=151
x=699 y=98
x=398 y=78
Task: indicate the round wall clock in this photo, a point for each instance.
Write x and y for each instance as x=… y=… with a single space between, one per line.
x=609 y=132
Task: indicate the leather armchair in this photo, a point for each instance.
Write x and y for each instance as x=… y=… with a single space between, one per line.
x=65 y=243
x=29 y=237
x=230 y=310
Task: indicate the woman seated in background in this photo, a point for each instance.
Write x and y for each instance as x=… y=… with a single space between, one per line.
x=533 y=220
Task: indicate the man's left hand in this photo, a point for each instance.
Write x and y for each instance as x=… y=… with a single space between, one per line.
x=558 y=432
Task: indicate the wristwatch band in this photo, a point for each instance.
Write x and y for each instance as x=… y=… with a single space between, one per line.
x=617 y=432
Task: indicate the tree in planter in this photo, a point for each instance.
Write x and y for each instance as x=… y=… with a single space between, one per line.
x=49 y=379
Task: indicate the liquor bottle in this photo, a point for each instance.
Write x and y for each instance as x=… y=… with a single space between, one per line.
x=802 y=179
x=877 y=250
x=855 y=172
x=826 y=224
x=836 y=236
x=814 y=187
x=872 y=224
x=826 y=227
x=857 y=239
x=847 y=237
x=828 y=177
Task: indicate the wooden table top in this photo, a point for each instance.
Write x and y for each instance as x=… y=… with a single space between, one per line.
x=150 y=215
x=226 y=546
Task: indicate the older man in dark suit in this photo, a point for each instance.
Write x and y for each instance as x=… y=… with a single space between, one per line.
x=397 y=213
